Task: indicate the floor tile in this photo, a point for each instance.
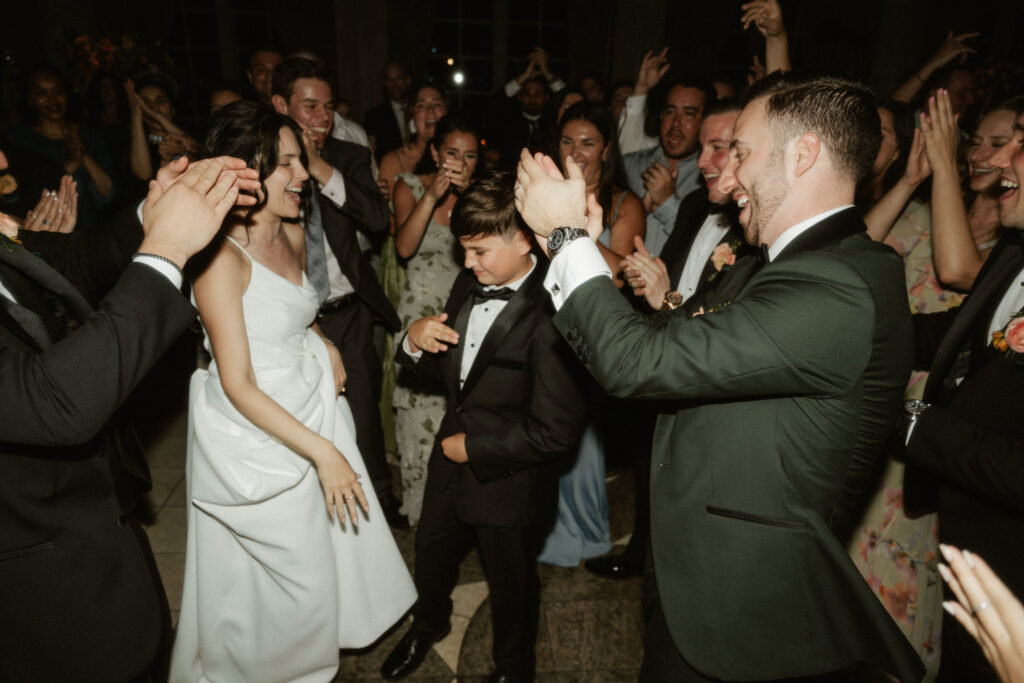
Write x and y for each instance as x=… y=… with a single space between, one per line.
x=168 y=533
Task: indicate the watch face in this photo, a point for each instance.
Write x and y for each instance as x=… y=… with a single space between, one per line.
x=555 y=239
x=915 y=406
x=674 y=298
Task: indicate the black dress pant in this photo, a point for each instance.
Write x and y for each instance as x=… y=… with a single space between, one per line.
x=510 y=565
x=351 y=330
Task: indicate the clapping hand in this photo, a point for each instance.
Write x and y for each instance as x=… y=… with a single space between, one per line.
x=647 y=276
x=660 y=183
x=547 y=200
x=917 y=168
x=457 y=173
x=987 y=609
x=57 y=211
x=430 y=334
x=940 y=132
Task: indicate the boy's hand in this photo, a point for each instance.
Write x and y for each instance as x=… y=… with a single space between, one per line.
x=454 y=447
x=430 y=334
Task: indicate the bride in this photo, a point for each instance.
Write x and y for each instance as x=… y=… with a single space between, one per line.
x=274 y=582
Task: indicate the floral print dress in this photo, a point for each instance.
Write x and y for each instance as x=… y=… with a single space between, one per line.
x=419 y=407
x=898 y=556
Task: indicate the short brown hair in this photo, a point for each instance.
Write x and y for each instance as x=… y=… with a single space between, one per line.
x=488 y=207
x=843 y=114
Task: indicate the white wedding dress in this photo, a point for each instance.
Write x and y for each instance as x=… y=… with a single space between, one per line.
x=273 y=586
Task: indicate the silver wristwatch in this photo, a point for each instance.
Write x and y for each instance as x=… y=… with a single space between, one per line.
x=911 y=411
x=562 y=236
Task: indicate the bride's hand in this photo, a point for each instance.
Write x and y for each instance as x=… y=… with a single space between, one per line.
x=340 y=484
x=338 y=366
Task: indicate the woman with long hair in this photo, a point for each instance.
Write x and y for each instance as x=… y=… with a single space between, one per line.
x=288 y=557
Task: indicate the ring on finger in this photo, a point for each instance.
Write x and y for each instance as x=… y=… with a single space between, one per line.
x=981 y=606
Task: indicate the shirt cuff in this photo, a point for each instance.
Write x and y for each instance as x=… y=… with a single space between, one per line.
x=556 y=84
x=408 y=349
x=138 y=210
x=512 y=88
x=635 y=104
x=578 y=262
x=334 y=190
x=162 y=267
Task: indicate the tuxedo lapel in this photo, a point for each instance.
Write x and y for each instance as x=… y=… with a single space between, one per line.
x=828 y=232
x=454 y=369
x=969 y=330
x=38 y=271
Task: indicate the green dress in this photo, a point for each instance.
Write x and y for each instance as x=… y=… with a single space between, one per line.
x=430 y=273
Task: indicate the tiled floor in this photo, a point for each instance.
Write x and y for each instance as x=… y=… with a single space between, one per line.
x=590 y=629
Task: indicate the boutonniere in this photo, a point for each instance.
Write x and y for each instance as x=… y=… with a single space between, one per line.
x=1010 y=339
x=8 y=232
x=723 y=257
x=8 y=185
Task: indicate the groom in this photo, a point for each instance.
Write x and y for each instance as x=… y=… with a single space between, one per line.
x=784 y=398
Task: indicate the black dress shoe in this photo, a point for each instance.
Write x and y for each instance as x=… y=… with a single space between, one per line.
x=410 y=652
x=614 y=567
x=396 y=520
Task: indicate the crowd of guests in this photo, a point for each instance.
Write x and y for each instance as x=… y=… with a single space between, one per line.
x=405 y=262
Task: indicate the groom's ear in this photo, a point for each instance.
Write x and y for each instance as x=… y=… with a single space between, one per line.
x=808 y=147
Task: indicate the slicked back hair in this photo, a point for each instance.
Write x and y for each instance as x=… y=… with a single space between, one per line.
x=841 y=113
x=487 y=207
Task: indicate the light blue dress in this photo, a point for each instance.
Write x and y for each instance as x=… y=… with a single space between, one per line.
x=582 y=530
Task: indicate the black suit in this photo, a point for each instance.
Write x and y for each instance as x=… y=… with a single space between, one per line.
x=350 y=328
x=80 y=596
x=381 y=124
x=966 y=454
x=521 y=408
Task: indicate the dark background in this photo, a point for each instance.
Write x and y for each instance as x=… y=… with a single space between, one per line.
x=201 y=42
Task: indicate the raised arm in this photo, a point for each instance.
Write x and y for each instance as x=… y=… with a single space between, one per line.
x=886 y=211
x=957 y=259
x=951 y=48
x=766 y=15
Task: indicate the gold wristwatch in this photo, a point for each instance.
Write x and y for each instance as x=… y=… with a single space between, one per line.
x=671 y=301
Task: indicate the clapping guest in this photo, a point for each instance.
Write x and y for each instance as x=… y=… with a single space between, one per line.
x=80 y=150
x=424 y=201
x=156 y=140
x=426 y=108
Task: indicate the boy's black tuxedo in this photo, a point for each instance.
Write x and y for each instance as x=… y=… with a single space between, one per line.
x=521 y=408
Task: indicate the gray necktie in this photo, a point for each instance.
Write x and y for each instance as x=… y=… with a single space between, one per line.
x=316 y=256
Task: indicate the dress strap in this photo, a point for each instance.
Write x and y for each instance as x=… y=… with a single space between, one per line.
x=615 y=213
x=231 y=239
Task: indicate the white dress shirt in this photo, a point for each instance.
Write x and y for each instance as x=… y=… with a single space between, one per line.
x=1013 y=301
x=340 y=285
x=708 y=237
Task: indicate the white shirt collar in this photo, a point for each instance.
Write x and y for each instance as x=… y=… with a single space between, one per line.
x=803 y=226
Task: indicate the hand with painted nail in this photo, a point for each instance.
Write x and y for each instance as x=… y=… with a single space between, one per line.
x=987 y=609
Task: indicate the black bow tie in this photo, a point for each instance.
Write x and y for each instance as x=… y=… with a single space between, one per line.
x=503 y=293
x=765 y=258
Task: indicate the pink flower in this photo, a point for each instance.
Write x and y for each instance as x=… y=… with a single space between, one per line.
x=723 y=255
x=1014 y=334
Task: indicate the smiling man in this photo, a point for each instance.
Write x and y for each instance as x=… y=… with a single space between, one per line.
x=346 y=200
x=965 y=453
x=783 y=399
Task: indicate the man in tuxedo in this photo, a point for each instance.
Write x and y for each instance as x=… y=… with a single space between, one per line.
x=345 y=200
x=385 y=123
x=706 y=241
x=784 y=397
x=965 y=452
x=80 y=596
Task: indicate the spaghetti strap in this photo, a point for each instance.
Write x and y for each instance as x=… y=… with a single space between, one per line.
x=240 y=247
x=615 y=213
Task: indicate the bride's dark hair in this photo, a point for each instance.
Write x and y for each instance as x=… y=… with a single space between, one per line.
x=249 y=131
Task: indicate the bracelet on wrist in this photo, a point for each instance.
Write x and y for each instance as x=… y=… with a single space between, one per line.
x=161 y=258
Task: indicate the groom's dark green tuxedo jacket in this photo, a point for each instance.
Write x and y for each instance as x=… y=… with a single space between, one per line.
x=785 y=396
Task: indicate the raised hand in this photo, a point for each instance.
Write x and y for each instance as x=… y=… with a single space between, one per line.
x=182 y=219
x=756 y=71
x=539 y=57
x=439 y=186
x=652 y=68
x=987 y=609
x=430 y=334
x=951 y=48
x=917 y=168
x=940 y=132
x=766 y=15
x=457 y=172
x=545 y=199
x=248 y=179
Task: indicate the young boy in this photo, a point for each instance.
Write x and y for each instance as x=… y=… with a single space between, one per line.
x=514 y=406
